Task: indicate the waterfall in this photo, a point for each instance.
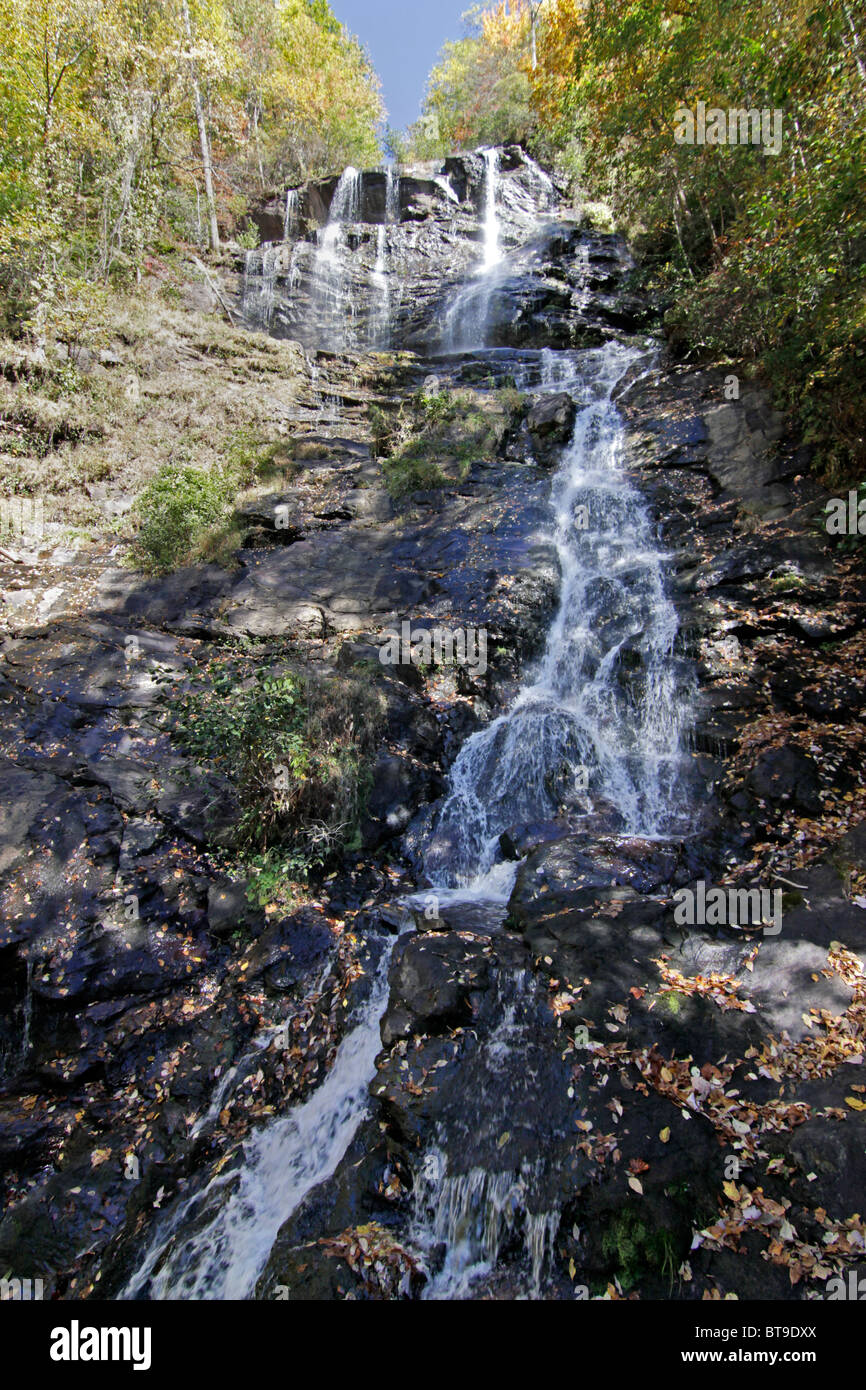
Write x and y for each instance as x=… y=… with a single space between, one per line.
x=492 y=249
x=380 y=318
x=543 y=181
x=216 y=1243
x=392 y=195
x=27 y=1011
x=602 y=716
x=445 y=185
x=259 y=285
x=473 y=1213
x=466 y=319
x=290 y=219
x=334 y=304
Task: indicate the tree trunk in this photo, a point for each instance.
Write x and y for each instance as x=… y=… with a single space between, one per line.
x=207 y=165
x=856 y=38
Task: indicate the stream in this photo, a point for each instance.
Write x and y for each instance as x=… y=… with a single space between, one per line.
x=601 y=721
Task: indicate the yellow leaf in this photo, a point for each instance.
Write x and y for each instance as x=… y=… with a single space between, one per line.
x=636 y=1185
x=665 y=1134
x=854 y=1103
x=731 y=1191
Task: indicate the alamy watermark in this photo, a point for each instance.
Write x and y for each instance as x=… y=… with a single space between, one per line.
x=852 y=1289
x=438 y=646
x=21 y=1290
x=706 y=906
x=77 y=1343
x=846 y=516
x=734 y=126
x=22 y=516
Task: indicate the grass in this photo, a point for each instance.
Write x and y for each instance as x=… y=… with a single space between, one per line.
x=186 y=386
x=637 y=1249
x=434 y=438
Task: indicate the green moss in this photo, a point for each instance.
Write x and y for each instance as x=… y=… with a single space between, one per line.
x=788 y=583
x=672 y=1001
x=636 y=1249
x=435 y=437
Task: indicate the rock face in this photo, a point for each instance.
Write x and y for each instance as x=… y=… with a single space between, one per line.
x=385 y=274
x=558 y=1085
x=550 y=424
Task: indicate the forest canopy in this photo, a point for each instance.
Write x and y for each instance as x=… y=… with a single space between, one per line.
x=130 y=124
x=757 y=256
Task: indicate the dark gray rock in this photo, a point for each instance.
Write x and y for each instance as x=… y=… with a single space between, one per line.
x=550 y=423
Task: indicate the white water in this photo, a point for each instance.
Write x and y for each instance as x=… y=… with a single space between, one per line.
x=380 y=319
x=333 y=304
x=472 y=1213
x=582 y=708
x=392 y=195
x=290 y=218
x=445 y=184
x=601 y=718
x=260 y=279
x=215 y=1244
x=492 y=247
x=465 y=322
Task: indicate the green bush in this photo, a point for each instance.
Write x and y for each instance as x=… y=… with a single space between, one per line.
x=297 y=752
x=177 y=510
x=411 y=473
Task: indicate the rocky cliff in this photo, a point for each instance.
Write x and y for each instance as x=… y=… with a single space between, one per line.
x=571 y=1090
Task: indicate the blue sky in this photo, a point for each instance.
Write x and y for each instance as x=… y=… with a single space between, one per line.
x=404 y=38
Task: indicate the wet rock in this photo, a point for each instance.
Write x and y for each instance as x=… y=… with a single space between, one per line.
x=289 y=951
x=521 y=840
x=229 y=908
x=550 y=423
x=432 y=981
x=787 y=775
x=398 y=786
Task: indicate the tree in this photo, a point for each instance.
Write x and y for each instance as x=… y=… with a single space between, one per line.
x=761 y=254
x=479 y=91
x=207 y=165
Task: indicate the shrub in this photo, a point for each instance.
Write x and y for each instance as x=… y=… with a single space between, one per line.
x=176 y=511
x=297 y=751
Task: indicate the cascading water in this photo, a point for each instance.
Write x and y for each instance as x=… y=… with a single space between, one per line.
x=392 y=195
x=260 y=279
x=596 y=732
x=466 y=320
x=290 y=219
x=442 y=182
x=215 y=1244
x=334 y=306
x=602 y=717
x=599 y=722
x=380 y=317
x=475 y=1211
x=492 y=248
